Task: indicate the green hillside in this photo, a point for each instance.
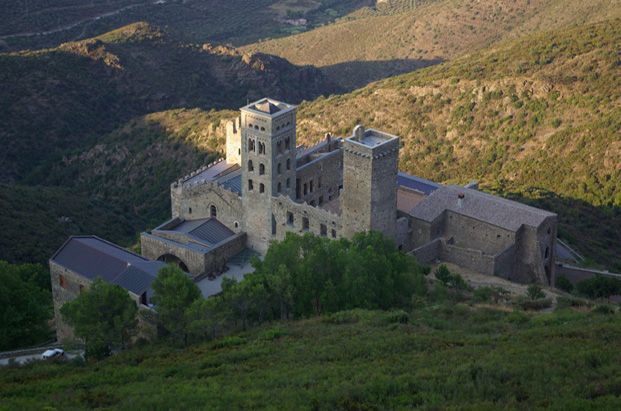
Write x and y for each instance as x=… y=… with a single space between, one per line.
x=445 y=357
x=65 y=98
x=538 y=118
x=402 y=35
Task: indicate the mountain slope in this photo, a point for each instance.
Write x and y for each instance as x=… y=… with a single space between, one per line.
x=407 y=34
x=62 y=98
x=539 y=117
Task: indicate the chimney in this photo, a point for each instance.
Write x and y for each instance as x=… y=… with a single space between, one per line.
x=358 y=132
x=460 y=200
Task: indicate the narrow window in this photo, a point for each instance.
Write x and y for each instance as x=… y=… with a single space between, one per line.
x=320 y=200
x=256 y=127
x=250 y=165
x=262 y=128
x=305 y=224
x=273 y=225
x=236 y=224
x=279 y=189
x=333 y=233
x=143 y=298
x=288 y=164
x=190 y=210
x=323 y=230
x=305 y=189
x=279 y=147
x=287 y=143
x=547 y=253
x=288 y=183
x=250 y=186
x=297 y=188
x=311 y=186
x=278 y=168
x=213 y=211
x=319 y=182
x=261 y=188
x=289 y=218
x=261 y=169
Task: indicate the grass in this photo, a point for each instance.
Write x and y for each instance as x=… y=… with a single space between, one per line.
x=445 y=357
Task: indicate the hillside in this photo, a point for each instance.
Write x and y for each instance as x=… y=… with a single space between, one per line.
x=66 y=97
x=45 y=23
x=447 y=356
x=402 y=35
x=538 y=118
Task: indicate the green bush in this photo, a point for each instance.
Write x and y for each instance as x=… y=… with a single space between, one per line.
x=534 y=292
x=562 y=283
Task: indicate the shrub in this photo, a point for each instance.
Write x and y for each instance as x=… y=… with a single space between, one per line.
x=604 y=309
x=400 y=317
x=562 y=283
x=534 y=305
x=453 y=280
x=534 y=292
x=599 y=287
x=482 y=295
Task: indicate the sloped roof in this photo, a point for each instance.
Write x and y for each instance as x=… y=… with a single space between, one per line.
x=93 y=257
x=417 y=183
x=208 y=230
x=267 y=107
x=498 y=211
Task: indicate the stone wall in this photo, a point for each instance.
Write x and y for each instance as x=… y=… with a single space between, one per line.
x=199 y=259
x=467 y=232
x=153 y=248
x=429 y=252
x=233 y=141
x=194 y=202
x=322 y=178
x=72 y=285
x=403 y=234
x=468 y=258
x=316 y=217
x=504 y=263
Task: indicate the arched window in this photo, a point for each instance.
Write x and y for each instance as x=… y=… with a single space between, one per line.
x=190 y=210
x=261 y=148
x=250 y=185
x=261 y=188
x=287 y=143
x=236 y=224
x=547 y=252
x=250 y=144
x=278 y=168
x=213 y=211
x=262 y=128
x=279 y=187
x=261 y=169
x=256 y=127
x=250 y=166
x=288 y=183
x=288 y=164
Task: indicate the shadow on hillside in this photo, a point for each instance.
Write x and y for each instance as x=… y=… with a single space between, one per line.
x=355 y=74
x=595 y=231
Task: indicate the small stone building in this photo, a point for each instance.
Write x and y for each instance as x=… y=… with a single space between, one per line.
x=82 y=259
x=268 y=185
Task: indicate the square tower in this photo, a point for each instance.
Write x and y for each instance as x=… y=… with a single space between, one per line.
x=268 y=141
x=369 y=198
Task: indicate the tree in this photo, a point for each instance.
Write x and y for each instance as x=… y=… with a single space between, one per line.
x=534 y=292
x=25 y=306
x=206 y=318
x=173 y=294
x=599 y=287
x=103 y=316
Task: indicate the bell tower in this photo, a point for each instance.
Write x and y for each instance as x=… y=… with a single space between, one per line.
x=268 y=165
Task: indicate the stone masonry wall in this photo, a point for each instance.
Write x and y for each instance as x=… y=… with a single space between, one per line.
x=317 y=217
x=323 y=175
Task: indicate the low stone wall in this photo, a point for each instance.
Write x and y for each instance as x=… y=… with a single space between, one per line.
x=468 y=258
x=504 y=263
x=576 y=274
x=429 y=252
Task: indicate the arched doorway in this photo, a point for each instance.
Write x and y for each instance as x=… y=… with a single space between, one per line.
x=173 y=259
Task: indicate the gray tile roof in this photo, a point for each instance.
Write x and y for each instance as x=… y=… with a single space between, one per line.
x=213 y=173
x=233 y=184
x=417 y=183
x=93 y=257
x=207 y=230
x=494 y=210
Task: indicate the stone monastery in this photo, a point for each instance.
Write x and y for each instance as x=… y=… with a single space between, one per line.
x=268 y=185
